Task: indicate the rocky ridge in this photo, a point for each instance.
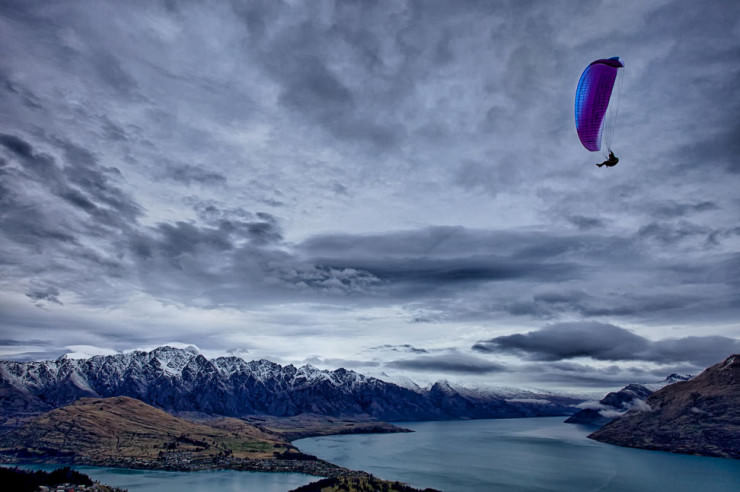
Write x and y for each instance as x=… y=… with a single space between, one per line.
x=698 y=416
x=611 y=406
x=183 y=380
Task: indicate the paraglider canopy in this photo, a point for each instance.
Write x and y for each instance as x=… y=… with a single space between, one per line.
x=592 y=100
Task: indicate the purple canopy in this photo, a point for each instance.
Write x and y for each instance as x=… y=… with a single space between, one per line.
x=592 y=99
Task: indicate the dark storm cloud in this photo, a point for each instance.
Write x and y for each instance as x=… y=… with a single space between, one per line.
x=433 y=273
x=238 y=254
x=175 y=240
x=211 y=212
x=6 y=342
x=716 y=143
x=111 y=72
x=188 y=174
x=550 y=304
x=234 y=262
x=671 y=233
x=405 y=347
x=260 y=228
x=265 y=231
x=81 y=181
x=48 y=293
x=608 y=342
x=612 y=376
x=419 y=262
x=449 y=242
x=586 y=223
x=19 y=146
x=300 y=57
x=457 y=363
x=437 y=260
x=672 y=209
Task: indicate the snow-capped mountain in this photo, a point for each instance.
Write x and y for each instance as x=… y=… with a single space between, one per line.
x=673 y=378
x=183 y=380
x=618 y=403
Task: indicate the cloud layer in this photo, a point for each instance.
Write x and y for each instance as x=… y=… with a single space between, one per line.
x=386 y=183
x=607 y=342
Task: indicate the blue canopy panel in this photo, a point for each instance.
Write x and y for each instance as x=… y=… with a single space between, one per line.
x=592 y=100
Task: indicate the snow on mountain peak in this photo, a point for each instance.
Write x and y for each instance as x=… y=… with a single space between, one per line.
x=183 y=379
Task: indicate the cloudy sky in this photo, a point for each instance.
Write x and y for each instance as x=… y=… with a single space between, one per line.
x=393 y=187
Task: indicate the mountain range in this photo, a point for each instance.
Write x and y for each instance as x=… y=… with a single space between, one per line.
x=183 y=380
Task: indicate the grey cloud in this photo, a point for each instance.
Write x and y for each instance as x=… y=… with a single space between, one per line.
x=586 y=223
x=551 y=304
x=260 y=228
x=339 y=189
x=211 y=212
x=19 y=146
x=405 y=347
x=608 y=342
x=48 y=293
x=111 y=72
x=36 y=355
x=299 y=58
x=445 y=255
x=189 y=174
x=272 y=202
x=672 y=209
x=82 y=182
x=29 y=99
x=215 y=263
x=670 y=233
x=474 y=175
x=441 y=272
x=448 y=363
x=717 y=236
x=449 y=242
x=7 y=342
x=432 y=262
x=611 y=377
x=368 y=123
x=341 y=363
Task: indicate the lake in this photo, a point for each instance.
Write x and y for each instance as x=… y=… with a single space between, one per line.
x=534 y=454
x=537 y=454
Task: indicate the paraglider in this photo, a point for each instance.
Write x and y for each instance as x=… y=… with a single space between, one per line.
x=592 y=101
x=611 y=161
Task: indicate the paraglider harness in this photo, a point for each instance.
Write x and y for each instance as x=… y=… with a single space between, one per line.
x=611 y=161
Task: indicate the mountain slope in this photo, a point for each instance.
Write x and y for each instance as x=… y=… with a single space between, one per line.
x=117 y=428
x=611 y=406
x=182 y=380
x=699 y=416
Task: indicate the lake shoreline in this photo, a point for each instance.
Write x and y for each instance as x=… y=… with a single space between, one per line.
x=294 y=462
x=533 y=455
x=182 y=450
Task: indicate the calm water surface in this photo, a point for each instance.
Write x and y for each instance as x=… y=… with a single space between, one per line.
x=538 y=454
x=202 y=481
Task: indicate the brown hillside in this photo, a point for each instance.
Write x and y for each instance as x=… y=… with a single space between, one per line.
x=103 y=428
x=699 y=416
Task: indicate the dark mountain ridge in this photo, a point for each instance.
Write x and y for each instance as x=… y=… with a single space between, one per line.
x=611 y=406
x=699 y=416
x=182 y=380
